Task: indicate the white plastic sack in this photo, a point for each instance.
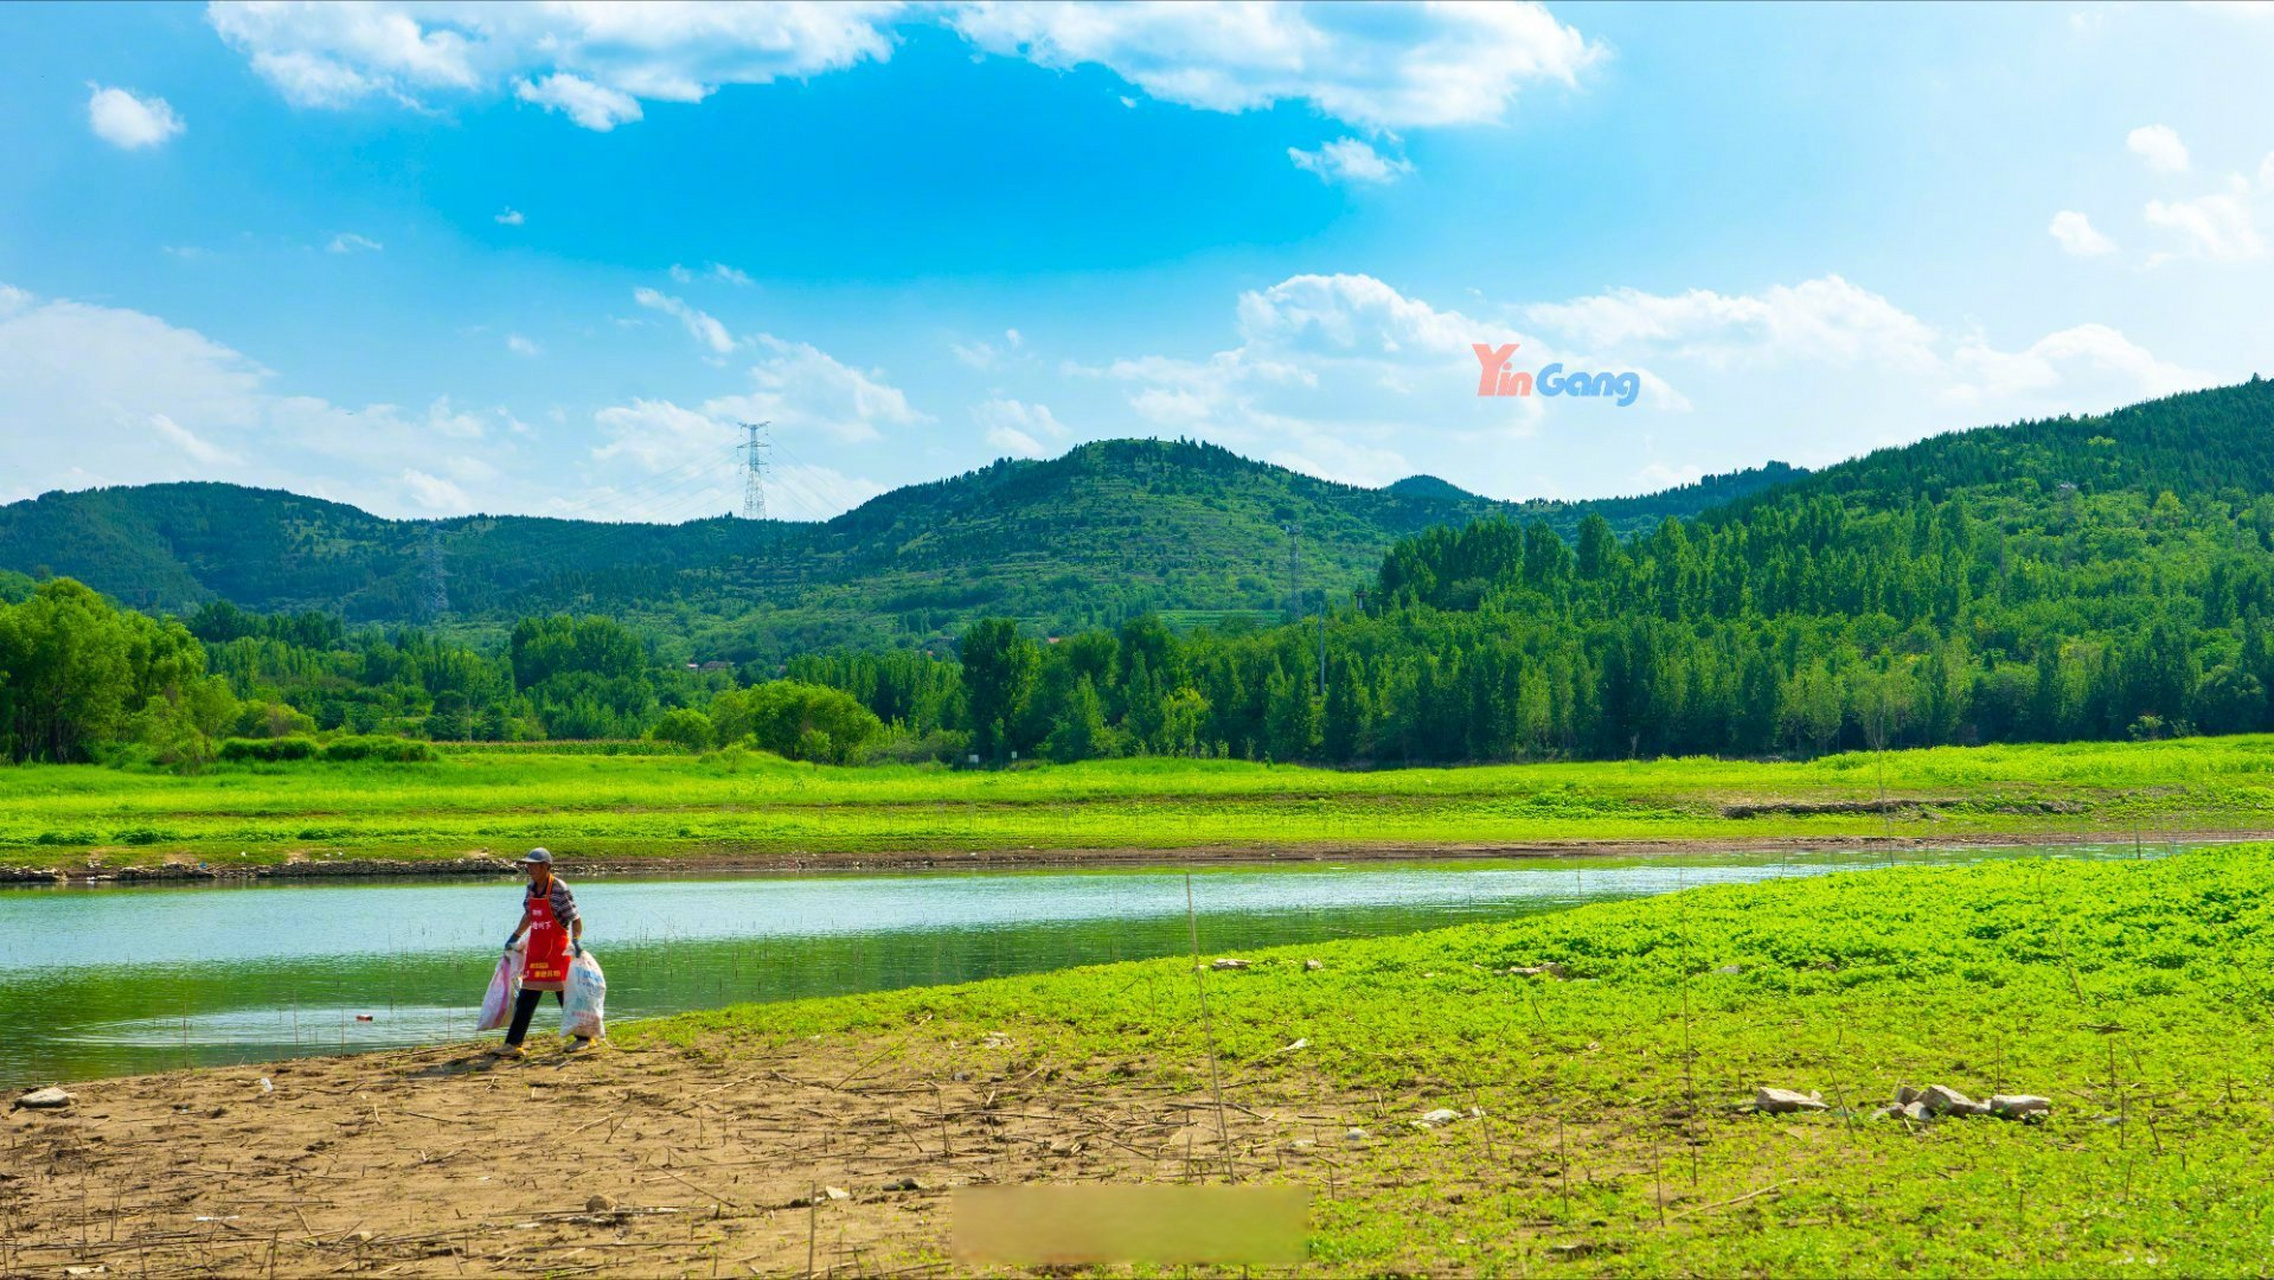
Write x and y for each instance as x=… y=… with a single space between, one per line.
x=582 y=1002
x=505 y=984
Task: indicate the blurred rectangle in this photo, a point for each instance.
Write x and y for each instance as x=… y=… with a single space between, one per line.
x=1165 y=1225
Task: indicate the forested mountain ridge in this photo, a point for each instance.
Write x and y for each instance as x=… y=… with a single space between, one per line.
x=2090 y=577
x=1109 y=530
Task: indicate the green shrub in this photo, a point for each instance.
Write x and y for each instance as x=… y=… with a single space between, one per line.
x=268 y=750
x=378 y=750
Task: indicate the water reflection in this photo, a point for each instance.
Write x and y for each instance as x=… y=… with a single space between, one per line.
x=110 y=981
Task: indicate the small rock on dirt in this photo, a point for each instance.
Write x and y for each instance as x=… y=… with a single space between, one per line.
x=48 y=1099
x=837 y=1193
x=1905 y=1095
x=1229 y=963
x=1354 y=1135
x=1785 y=1101
x=904 y=1184
x=1944 y=1100
x=1313 y=966
x=1731 y=969
x=2019 y=1106
x=1912 y=1110
x=1549 y=970
x=1442 y=1115
x=598 y=1204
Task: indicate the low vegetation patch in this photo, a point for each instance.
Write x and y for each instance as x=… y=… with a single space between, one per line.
x=1600 y=1118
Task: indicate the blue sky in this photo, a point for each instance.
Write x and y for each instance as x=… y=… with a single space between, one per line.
x=434 y=258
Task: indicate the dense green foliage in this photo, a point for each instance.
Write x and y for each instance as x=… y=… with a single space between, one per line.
x=2089 y=578
x=1108 y=531
x=2133 y=995
x=2085 y=578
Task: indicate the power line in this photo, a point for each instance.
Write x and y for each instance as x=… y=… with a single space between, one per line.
x=754 y=470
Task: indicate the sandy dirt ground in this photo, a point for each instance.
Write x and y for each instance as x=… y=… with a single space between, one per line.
x=836 y=1158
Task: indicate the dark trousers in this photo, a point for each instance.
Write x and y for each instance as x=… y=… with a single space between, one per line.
x=524 y=1006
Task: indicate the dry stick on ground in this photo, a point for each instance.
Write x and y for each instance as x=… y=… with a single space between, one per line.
x=1208 y=1031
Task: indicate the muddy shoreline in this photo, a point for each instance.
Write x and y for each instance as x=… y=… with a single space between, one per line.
x=483 y=864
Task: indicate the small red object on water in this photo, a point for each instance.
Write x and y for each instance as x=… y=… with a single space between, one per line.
x=363 y=1017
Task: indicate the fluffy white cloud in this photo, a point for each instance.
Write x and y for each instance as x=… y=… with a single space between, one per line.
x=675 y=446
x=510 y=218
x=188 y=442
x=2159 y=146
x=701 y=325
x=521 y=346
x=1020 y=429
x=802 y=389
x=595 y=62
x=715 y=271
x=349 y=242
x=1379 y=66
x=1832 y=323
x=434 y=493
x=1827 y=320
x=1334 y=375
x=2222 y=226
x=108 y=395
x=123 y=119
x=2078 y=236
x=596 y=107
x=1350 y=160
x=1345 y=377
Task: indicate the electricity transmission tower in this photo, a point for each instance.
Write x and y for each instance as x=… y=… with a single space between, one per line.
x=754 y=448
x=437 y=585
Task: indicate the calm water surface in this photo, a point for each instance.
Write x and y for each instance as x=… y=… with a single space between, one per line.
x=114 y=980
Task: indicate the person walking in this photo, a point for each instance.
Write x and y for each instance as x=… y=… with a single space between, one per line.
x=556 y=932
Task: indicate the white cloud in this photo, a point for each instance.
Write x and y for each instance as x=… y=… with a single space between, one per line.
x=188 y=442
x=1378 y=66
x=1020 y=429
x=1345 y=377
x=511 y=218
x=126 y=120
x=1830 y=323
x=2222 y=227
x=2159 y=146
x=701 y=325
x=1826 y=320
x=521 y=346
x=593 y=106
x=2078 y=237
x=594 y=62
x=658 y=437
x=800 y=388
x=435 y=493
x=715 y=271
x=349 y=242
x=2090 y=361
x=1350 y=160
x=122 y=397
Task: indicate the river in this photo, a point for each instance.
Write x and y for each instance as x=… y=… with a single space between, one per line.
x=101 y=981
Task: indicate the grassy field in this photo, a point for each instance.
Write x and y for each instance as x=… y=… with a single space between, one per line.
x=730 y=805
x=2134 y=995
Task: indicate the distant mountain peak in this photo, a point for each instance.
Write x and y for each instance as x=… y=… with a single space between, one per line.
x=1428 y=486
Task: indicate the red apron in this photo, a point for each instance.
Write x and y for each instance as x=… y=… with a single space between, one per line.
x=547 y=964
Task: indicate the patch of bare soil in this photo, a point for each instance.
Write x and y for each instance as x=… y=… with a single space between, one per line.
x=835 y=1157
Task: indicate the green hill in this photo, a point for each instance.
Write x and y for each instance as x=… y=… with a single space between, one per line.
x=1107 y=531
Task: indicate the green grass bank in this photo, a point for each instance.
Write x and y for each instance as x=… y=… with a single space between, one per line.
x=732 y=806
x=2135 y=995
